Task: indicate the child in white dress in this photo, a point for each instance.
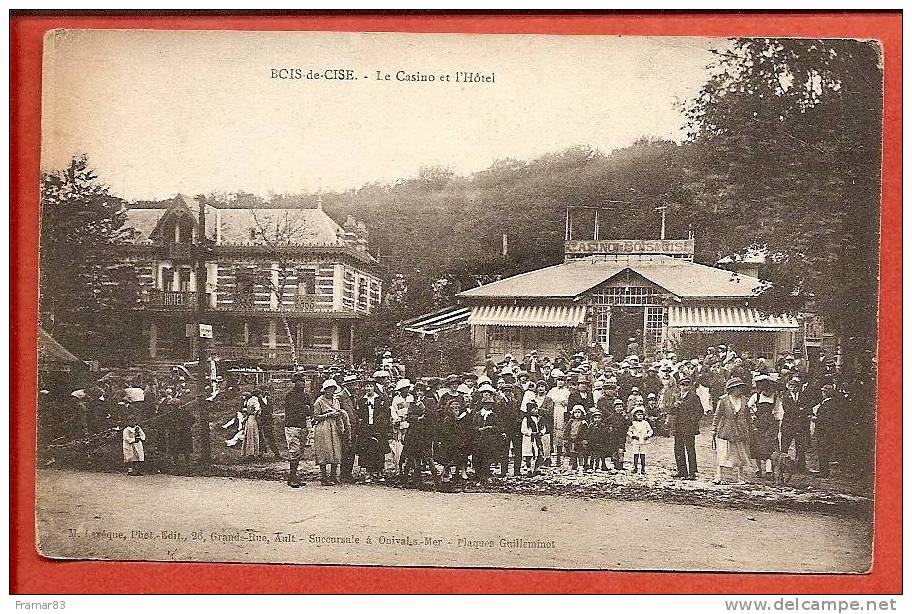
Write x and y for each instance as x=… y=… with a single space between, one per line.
x=639 y=433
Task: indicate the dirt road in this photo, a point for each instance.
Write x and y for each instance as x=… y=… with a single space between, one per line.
x=159 y=517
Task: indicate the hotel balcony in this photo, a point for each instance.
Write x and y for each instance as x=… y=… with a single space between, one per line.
x=178 y=251
x=281 y=355
x=170 y=299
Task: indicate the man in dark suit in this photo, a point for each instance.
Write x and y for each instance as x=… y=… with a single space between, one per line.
x=687 y=412
x=827 y=426
x=348 y=399
x=796 y=421
x=298 y=409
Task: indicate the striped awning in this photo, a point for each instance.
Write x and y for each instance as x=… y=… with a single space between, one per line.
x=437 y=321
x=726 y=317
x=528 y=315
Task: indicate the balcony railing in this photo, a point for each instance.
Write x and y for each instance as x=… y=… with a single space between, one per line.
x=170 y=298
x=306 y=303
x=280 y=355
x=178 y=251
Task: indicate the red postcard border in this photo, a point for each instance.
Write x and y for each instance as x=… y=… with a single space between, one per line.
x=33 y=574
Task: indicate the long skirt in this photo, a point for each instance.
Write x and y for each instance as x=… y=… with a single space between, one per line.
x=251 y=445
x=705 y=398
x=328 y=442
x=372 y=451
x=732 y=453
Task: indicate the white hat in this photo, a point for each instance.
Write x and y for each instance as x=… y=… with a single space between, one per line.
x=484 y=379
x=486 y=387
x=79 y=394
x=403 y=383
x=387 y=354
x=463 y=389
x=330 y=383
x=557 y=373
x=381 y=373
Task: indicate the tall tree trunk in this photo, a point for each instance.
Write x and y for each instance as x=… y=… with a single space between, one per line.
x=291 y=342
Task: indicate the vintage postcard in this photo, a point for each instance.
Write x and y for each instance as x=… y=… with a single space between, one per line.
x=511 y=301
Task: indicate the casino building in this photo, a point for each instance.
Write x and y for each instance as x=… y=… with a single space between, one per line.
x=609 y=291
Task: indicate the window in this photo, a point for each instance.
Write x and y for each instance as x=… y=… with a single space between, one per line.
x=504 y=340
x=183 y=279
x=167 y=278
x=322 y=338
x=628 y=296
x=654 y=329
x=602 y=317
x=307 y=281
x=245 y=288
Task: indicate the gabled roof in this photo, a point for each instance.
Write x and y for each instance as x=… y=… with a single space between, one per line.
x=50 y=351
x=313 y=227
x=569 y=280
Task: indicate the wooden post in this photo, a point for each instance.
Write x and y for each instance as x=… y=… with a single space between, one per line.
x=202 y=371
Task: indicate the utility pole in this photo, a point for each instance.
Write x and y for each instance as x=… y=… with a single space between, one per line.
x=202 y=306
x=662 y=208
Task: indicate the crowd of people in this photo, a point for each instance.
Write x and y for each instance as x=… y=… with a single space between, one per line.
x=146 y=414
x=582 y=413
x=585 y=412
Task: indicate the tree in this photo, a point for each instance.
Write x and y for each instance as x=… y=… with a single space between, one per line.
x=784 y=151
x=279 y=233
x=83 y=290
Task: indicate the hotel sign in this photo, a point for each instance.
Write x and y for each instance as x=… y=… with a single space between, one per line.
x=670 y=247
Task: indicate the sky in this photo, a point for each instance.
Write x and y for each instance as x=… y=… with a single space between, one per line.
x=159 y=113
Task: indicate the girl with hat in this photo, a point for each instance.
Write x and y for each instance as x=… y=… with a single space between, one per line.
x=577 y=431
x=639 y=433
x=330 y=427
x=582 y=395
x=250 y=448
x=599 y=441
x=419 y=439
x=618 y=425
x=765 y=412
x=449 y=448
x=133 y=451
x=490 y=434
x=532 y=428
x=731 y=425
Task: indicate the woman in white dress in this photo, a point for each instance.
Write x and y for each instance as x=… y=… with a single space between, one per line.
x=250 y=449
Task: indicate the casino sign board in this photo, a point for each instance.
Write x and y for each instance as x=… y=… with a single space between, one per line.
x=678 y=248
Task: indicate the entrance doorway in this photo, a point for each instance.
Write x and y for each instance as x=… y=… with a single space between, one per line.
x=626 y=322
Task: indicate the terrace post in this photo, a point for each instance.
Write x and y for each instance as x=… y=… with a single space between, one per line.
x=202 y=305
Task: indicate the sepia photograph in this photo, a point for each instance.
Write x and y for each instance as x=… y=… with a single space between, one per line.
x=511 y=301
